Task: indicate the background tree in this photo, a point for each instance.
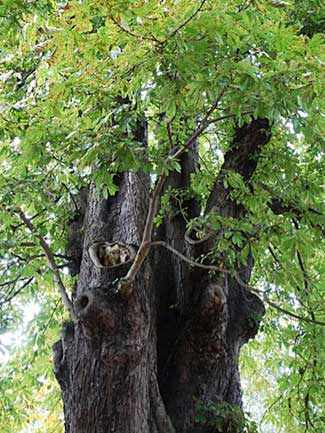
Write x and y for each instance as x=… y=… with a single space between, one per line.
x=188 y=135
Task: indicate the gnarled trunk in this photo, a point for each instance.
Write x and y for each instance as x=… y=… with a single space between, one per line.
x=144 y=363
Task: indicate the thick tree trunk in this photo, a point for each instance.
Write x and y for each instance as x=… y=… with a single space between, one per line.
x=145 y=363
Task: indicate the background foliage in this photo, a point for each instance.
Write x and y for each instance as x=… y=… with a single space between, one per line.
x=75 y=77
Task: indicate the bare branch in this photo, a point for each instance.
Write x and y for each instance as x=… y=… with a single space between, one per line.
x=51 y=261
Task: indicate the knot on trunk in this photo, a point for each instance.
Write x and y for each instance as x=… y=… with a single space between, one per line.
x=213 y=299
x=111 y=255
x=94 y=310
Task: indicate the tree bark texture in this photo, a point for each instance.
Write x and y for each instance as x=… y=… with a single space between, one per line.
x=141 y=364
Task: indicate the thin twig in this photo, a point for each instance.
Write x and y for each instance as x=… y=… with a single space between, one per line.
x=134 y=35
x=300 y=261
x=228 y=116
x=170 y=134
x=238 y=279
x=173 y=33
x=244 y=6
x=303 y=270
x=186 y=259
x=72 y=197
x=51 y=261
x=275 y=402
x=11 y=296
x=10 y=282
x=37 y=256
x=295 y=316
x=205 y=122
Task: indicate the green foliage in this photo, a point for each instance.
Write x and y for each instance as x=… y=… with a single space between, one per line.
x=284 y=368
x=27 y=379
x=224 y=417
x=76 y=77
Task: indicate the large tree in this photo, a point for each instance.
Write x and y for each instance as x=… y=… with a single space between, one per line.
x=168 y=154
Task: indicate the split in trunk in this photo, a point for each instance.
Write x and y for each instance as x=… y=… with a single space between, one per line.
x=149 y=361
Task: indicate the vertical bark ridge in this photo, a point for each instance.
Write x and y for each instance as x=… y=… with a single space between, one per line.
x=172 y=280
x=111 y=354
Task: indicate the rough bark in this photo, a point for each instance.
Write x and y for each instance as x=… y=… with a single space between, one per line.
x=143 y=363
x=220 y=313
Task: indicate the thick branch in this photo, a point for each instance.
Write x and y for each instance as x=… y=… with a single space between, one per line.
x=143 y=251
x=242 y=157
x=278 y=207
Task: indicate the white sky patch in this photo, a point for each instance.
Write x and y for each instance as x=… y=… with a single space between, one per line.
x=13 y=339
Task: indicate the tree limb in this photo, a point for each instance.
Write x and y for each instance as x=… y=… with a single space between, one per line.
x=291 y=314
x=125 y=283
x=143 y=251
x=238 y=279
x=51 y=261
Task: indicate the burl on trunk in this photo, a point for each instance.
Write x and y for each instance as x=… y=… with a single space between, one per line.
x=147 y=362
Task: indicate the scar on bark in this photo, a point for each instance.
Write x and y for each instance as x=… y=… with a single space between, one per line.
x=111 y=255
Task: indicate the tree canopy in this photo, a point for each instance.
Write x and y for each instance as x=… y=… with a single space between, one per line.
x=76 y=78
